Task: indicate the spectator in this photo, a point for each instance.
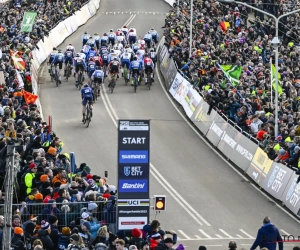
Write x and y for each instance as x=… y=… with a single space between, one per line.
x=17 y=240
x=30 y=178
x=232 y=245
x=166 y=244
x=102 y=236
x=44 y=233
x=268 y=236
x=64 y=238
x=54 y=232
x=136 y=237
x=60 y=177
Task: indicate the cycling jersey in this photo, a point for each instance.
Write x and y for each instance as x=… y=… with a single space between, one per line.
x=141 y=51
x=91 y=42
x=104 y=39
x=136 y=46
x=96 y=39
x=51 y=57
x=135 y=65
x=125 y=58
x=125 y=31
x=140 y=59
x=112 y=56
x=153 y=56
x=91 y=68
x=119 y=46
x=148 y=62
x=84 y=38
x=114 y=66
x=98 y=74
x=98 y=60
x=86 y=95
x=82 y=56
x=68 y=57
x=79 y=61
x=148 y=40
x=58 y=58
x=105 y=59
x=155 y=36
x=103 y=50
x=70 y=47
x=91 y=54
x=131 y=37
x=86 y=49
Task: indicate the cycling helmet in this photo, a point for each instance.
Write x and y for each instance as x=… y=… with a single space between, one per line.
x=91 y=59
x=151 y=50
x=91 y=37
x=92 y=47
x=104 y=34
x=70 y=44
x=68 y=49
x=81 y=51
x=77 y=54
x=54 y=48
x=131 y=30
x=115 y=59
x=86 y=85
x=112 y=51
x=134 y=58
x=118 y=29
x=126 y=50
x=111 y=30
x=149 y=32
x=152 y=28
x=124 y=26
x=97 y=67
x=146 y=55
x=138 y=52
x=85 y=32
x=120 y=34
x=59 y=51
x=96 y=34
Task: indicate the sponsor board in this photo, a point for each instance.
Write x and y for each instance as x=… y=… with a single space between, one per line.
x=176 y=84
x=134 y=125
x=133 y=156
x=136 y=171
x=129 y=223
x=133 y=186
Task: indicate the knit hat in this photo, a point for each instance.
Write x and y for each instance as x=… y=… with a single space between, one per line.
x=29 y=158
x=66 y=231
x=156 y=236
x=32 y=165
x=281 y=151
x=18 y=230
x=38 y=196
x=45 y=225
x=136 y=232
x=52 y=219
x=90 y=181
x=87 y=225
x=74 y=237
x=180 y=247
x=87 y=169
x=296 y=148
x=92 y=206
x=52 y=150
x=43 y=177
x=89 y=176
x=84 y=215
x=169 y=240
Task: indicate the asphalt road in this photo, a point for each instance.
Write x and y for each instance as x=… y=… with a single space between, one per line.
x=207 y=202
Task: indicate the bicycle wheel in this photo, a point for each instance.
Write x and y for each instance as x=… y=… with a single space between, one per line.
x=112 y=86
x=88 y=116
x=56 y=78
x=125 y=76
x=135 y=85
x=79 y=80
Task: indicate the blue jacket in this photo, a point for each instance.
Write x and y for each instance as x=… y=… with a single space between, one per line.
x=267 y=236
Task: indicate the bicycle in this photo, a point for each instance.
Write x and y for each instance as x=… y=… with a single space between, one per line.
x=80 y=79
x=104 y=70
x=87 y=114
x=125 y=74
x=135 y=82
x=52 y=73
x=56 y=76
x=112 y=83
x=68 y=71
x=95 y=90
x=148 y=80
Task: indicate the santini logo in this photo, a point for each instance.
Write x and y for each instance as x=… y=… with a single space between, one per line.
x=136 y=185
x=133 y=156
x=131 y=186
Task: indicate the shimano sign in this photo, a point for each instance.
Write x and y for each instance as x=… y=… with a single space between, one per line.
x=129 y=186
x=133 y=156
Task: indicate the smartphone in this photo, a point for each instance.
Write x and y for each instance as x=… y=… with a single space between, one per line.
x=105 y=174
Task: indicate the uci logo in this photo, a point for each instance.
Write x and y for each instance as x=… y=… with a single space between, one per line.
x=124 y=123
x=133 y=202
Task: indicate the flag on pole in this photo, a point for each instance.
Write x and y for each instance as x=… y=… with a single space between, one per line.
x=29 y=97
x=19 y=62
x=273 y=75
x=233 y=73
x=224 y=25
x=28 y=21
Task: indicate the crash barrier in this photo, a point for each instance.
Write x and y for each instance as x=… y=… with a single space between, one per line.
x=56 y=36
x=103 y=213
x=238 y=147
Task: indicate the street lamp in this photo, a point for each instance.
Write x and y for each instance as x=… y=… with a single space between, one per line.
x=275 y=42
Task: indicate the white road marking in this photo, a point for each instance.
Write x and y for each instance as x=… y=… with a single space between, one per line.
x=106 y=13
x=114 y=13
x=198 y=237
x=205 y=234
x=228 y=235
x=239 y=236
x=216 y=152
x=285 y=232
x=219 y=236
x=246 y=234
x=184 y=234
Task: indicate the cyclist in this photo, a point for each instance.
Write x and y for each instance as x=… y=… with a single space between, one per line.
x=68 y=59
x=91 y=42
x=125 y=59
x=97 y=40
x=135 y=68
x=91 y=53
x=130 y=51
x=103 y=49
x=154 y=34
x=112 y=56
x=79 y=64
x=86 y=96
x=112 y=37
x=118 y=49
x=98 y=60
x=149 y=66
x=113 y=68
x=148 y=39
x=153 y=56
x=91 y=67
x=121 y=39
x=86 y=49
x=135 y=47
x=105 y=61
x=134 y=30
x=72 y=48
x=85 y=38
x=82 y=55
x=104 y=39
x=58 y=60
x=118 y=32
x=50 y=59
x=124 y=30
x=140 y=59
x=98 y=77
x=131 y=36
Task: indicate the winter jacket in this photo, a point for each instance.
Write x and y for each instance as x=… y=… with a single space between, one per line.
x=46 y=240
x=63 y=242
x=161 y=246
x=17 y=242
x=267 y=236
x=54 y=235
x=95 y=225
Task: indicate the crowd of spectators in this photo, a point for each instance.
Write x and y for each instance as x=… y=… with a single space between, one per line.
x=246 y=42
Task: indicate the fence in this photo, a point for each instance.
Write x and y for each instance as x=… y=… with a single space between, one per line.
x=238 y=146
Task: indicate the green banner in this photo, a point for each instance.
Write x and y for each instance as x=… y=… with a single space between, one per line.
x=28 y=21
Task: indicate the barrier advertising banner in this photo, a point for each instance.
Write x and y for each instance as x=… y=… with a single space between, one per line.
x=201 y=119
x=238 y=148
x=133 y=173
x=163 y=53
x=277 y=179
x=171 y=73
x=260 y=166
x=291 y=195
x=216 y=130
x=191 y=100
x=176 y=84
